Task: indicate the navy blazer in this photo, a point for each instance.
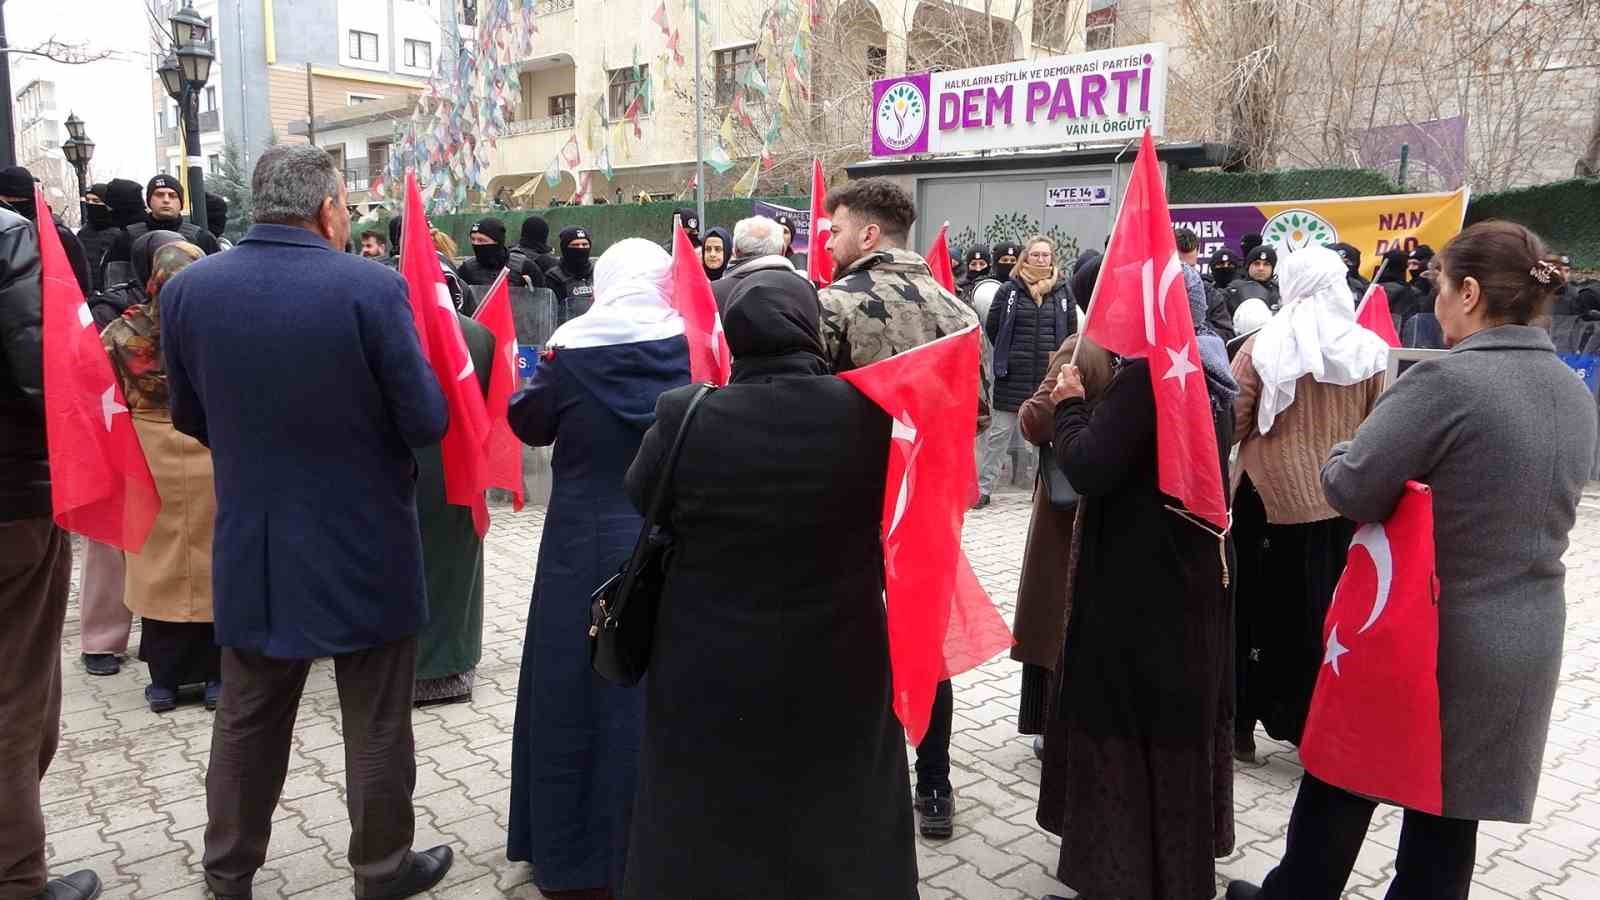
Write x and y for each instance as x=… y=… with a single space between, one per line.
x=299 y=366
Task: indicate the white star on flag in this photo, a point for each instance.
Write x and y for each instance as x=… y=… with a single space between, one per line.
x=85 y=318
x=1181 y=367
x=1335 y=650
x=109 y=405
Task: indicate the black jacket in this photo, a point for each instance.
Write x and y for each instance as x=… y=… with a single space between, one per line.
x=1241 y=289
x=109 y=305
x=574 y=293
x=541 y=257
x=95 y=243
x=722 y=289
x=120 y=248
x=24 y=462
x=1025 y=334
x=472 y=272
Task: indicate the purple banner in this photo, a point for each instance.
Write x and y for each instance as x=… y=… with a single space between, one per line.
x=1437 y=155
x=901 y=112
x=800 y=217
x=1219 y=226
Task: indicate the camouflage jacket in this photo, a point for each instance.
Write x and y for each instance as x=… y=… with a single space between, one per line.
x=886 y=303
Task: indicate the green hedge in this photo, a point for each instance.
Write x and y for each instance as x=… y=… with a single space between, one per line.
x=608 y=223
x=1565 y=213
x=1211 y=186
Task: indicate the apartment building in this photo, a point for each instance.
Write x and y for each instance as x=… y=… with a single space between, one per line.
x=41 y=127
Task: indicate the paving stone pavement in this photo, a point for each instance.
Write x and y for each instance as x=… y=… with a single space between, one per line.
x=126 y=794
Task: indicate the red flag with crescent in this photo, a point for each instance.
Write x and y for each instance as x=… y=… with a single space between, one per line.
x=819 y=262
x=100 y=484
x=941 y=623
x=709 y=356
x=1373 y=314
x=1374 y=727
x=504 y=449
x=939 y=259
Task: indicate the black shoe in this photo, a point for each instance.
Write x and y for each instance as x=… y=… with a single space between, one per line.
x=213 y=694
x=247 y=895
x=160 y=699
x=1038 y=746
x=1244 y=746
x=102 y=663
x=427 y=869
x=936 y=814
x=84 y=885
x=1242 y=890
x=983 y=500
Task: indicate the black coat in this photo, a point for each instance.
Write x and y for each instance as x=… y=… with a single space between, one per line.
x=95 y=243
x=1024 y=334
x=772 y=764
x=473 y=272
x=722 y=289
x=1146 y=670
x=24 y=464
x=1241 y=289
x=574 y=293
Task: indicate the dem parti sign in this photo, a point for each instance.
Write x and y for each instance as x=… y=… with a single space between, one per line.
x=1104 y=96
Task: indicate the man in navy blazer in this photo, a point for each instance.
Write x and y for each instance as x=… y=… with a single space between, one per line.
x=299 y=366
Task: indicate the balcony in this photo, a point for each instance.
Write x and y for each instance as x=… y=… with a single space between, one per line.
x=540 y=125
x=357 y=177
x=210 y=122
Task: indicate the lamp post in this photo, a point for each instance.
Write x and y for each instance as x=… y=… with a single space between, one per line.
x=79 y=149
x=184 y=73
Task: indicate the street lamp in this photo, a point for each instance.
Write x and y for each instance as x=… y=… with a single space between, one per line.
x=79 y=149
x=184 y=72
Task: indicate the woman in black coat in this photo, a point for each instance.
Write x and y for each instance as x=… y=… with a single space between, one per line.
x=772 y=765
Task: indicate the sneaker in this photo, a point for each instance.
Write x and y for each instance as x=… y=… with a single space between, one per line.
x=160 y=699
x=935 y=814
x=102 y=663
x=213 y=694
x=83 y=885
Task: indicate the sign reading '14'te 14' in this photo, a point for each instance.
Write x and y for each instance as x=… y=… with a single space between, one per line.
x=1105 y=96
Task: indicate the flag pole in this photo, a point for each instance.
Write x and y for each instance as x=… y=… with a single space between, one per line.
x=699 y=127
x=1094 y=296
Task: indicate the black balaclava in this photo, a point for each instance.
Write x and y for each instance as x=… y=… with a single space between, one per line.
x=575 y=260
x=216 y=214
x=1261 y=252
x=1422 y=256
x=1393 y=268
x=144 y=253
x=1249 y=242
x=164 y=180
x=491 y=256
x=1002 y=270
x=973 y=254
x=787 y=221
x=126 y=200
x=722 y=235
x=1350 y=255
x=691 y=223
x=16 y=181
x=1224 y=267
x=535 y=235
x=395 y=225
x=1084 y=272
x=99 y=214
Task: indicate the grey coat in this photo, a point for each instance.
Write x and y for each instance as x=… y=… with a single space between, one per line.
x=1503 y=433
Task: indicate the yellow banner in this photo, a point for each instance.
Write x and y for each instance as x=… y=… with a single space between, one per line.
x=1373 y=225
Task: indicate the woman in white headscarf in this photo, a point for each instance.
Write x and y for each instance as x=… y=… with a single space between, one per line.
x=576 y=741
x=1307 y=380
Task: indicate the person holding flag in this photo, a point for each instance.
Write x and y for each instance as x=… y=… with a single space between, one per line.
x=300 y=367
x=575 y=747
x=772 y=763
x=1145 y=672
x=1506 y=469
x=883 y=301
x=1307 y=380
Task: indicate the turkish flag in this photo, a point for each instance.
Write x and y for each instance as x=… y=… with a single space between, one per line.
x=1373 y=314
x=710 y=360
x=465 y=475
x=819 y=262
x=1140 y=308
x=100 y=484
x=939 y=259
x=941 y=623
x=1373 y=727
x=503 y=454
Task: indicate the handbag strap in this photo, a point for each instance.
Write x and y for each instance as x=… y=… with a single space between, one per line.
x=658 y=499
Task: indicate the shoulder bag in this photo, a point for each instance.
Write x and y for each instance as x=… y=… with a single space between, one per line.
x=1057 y=489
x=622 y=612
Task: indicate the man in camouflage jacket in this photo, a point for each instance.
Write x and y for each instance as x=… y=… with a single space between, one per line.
x=884 y=301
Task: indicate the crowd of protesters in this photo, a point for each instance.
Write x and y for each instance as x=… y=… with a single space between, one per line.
x=292 y=424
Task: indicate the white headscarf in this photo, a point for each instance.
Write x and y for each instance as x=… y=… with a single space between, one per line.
x=632 y=300
x=1314 y=333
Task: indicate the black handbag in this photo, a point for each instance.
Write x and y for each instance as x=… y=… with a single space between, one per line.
x=622 y=612
x=1057 y=489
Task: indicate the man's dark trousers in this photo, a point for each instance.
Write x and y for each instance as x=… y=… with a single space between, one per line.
x=250 y=757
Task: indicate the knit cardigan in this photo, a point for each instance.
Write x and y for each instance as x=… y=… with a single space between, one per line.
x=1285 y=464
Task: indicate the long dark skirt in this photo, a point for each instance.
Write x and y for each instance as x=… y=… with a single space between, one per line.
x=1034 y=700
x=180 y=653
x=1286 y=578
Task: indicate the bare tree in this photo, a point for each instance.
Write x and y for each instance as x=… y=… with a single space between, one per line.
x=60 y=51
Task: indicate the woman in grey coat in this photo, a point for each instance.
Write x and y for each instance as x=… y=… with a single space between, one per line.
x=1504 y=434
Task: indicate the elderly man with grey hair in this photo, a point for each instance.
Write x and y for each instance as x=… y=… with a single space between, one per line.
x=757 y=247
x=299 y=366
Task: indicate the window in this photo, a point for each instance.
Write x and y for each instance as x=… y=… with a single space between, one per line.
x=336 y=152
x=877 y=62
x=161 y=122
x=214 y=163
x=364 y=46
x=210 y=102
x=563 y=106
x=469 y=12
x=733 y=65
x=1050 y=23
x=626 y=85
x=419 y=54
x=358 y=99
x=377 y=156
x=1100 y=25
x=1100 y=37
